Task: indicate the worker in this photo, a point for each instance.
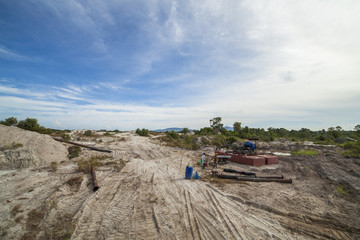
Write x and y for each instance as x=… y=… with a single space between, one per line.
x=203 y=161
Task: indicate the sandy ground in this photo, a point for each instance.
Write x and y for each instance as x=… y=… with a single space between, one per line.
x=150 y=199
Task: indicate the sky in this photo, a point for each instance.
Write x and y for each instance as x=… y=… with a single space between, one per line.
x=127 y=64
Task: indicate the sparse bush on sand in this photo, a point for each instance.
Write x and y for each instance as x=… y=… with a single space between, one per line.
x=74 y=151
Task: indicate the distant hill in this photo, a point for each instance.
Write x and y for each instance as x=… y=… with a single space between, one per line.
x=175 y=129
x=229 y=128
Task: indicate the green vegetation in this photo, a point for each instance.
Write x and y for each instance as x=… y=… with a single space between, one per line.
x=352 y=149
x=180 y=140
x=143 y=132
x=217 y=135
x=11 y=121
x=85 y=165
x=74 y=151
x=341 y=190
x=54 y=166
x=88 y=133
x=305 y=153
x=65 y=137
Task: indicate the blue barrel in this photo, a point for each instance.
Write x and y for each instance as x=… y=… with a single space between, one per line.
x=188 y=172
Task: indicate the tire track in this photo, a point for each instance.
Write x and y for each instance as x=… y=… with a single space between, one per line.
x=223 y=217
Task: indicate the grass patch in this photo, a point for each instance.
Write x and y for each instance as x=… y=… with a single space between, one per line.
x=304 y=153
x=54 y=166
x=85 y=165
x=13 y=145
x=352 y=149
x=341 y=190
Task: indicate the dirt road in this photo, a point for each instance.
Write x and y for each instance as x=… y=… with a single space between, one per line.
x=150 y=199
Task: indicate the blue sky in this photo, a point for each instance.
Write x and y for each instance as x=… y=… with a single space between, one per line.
x=157 y=64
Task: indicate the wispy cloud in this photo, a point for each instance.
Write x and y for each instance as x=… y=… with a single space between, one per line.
x=12 y=55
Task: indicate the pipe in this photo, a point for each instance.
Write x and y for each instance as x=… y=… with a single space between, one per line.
x=96 y=186
x=82 y=145
x=240 y=172
x=253 y=174
x=250 y=179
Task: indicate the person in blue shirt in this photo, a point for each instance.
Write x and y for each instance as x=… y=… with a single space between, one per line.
x=203 y=161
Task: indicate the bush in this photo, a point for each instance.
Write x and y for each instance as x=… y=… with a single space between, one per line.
x=352 y=149
x=65 y=137
x=29 y=124
x=85 y=165
x=172 y=135
x=11 y=121
x=107 y=134
x=143 y=132
x=88 y=133
x=74 y=151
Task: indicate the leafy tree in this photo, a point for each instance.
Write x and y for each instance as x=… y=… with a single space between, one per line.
x=216 y=124
x=237 y=127
x=357 y=129
x=142 y=132
x=334 y=132
x=11 y=121
x=185 y=131
x=29 y=124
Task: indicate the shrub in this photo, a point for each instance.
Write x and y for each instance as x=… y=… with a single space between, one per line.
x=172 y=135
x=54 y=166
x=74 y=151
x=116 y=131
x=65 y=137
x=143 y=132
x=11 y=121
x=85 y=165
x=352 y=149
x=107 y=134
x=88 y=133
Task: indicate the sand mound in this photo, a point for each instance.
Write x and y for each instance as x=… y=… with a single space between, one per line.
x=21 y=149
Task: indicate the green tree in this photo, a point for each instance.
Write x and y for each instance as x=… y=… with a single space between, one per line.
x=237 y=127
x=11 y=121
x=29 y=124
x=357 y=129
x=185 y=131
x=334 y=132
x=216 y=124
